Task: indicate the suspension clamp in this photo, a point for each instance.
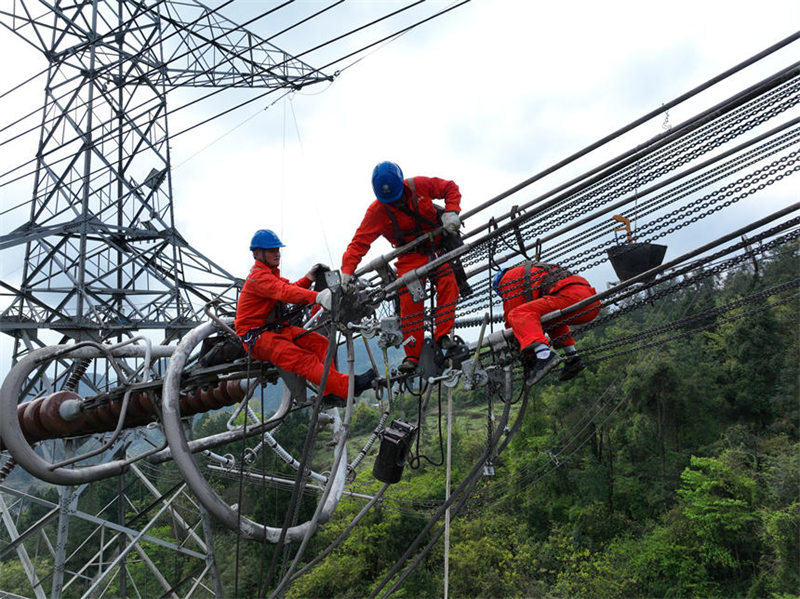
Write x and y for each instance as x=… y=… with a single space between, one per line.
x=391 y=334
x=474 y=375
x=369 y=327
x=414 y=286
x=450 y=378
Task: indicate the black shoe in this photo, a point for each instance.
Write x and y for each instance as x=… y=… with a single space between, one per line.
x=528 y=360
x=542 y=367
x=445 y=342
x=407 y=366
x=572 y=366
x=332 y=401
x=363 y=381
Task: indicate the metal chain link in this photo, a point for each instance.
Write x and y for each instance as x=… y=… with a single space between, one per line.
x=685 y=189
x=677 y=324
x=726 y=128
x=701 y=141
x=692 y=331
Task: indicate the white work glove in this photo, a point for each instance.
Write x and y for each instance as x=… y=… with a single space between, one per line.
x=324 y=299
x=347 y=280
x=318 y=268
x=451 y=222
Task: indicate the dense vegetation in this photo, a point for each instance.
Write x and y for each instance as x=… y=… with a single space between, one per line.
x=668 y=472
x=688 y=489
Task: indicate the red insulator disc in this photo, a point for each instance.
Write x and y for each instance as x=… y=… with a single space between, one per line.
x=145 y=400
x=105 y=414
x=51 y=418
x=207 y=398
x=183 y=404
x=138 y=407
x=94 y=422
x=193 y=403
x=31 y=424
x=221 y=395
x=235 y=391
x=20 y=413
x=115 y=407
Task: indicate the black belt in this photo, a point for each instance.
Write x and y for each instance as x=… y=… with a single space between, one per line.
x=251 y=336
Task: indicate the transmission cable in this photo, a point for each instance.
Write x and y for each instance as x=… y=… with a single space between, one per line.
x=211 y=94
x=173 y=58
x=22 y=84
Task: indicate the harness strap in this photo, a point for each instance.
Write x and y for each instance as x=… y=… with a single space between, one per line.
x=415 y=204
x=415 y=215
x=398 y=235
x=526 y=279
x=553 y=274
x=274 y=324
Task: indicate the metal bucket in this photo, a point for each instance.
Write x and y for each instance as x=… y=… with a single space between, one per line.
x=632 y=259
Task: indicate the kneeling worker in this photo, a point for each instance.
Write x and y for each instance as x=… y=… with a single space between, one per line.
x=258 y=313
x=529 y=292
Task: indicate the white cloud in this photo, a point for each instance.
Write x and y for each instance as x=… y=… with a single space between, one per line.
x=488 y=95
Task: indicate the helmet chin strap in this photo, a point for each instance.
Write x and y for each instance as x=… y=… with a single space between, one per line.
x=399 y=201
x=260 y=254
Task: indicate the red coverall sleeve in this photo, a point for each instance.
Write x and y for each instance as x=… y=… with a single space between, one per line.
x=440 y=189
x=274 y=288
x=304 y=282
x=371 y=227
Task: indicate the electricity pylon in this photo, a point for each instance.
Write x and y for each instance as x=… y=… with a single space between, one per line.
x=102 y=255
x=104 y=260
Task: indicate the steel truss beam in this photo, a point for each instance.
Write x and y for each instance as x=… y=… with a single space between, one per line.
x=103 y=258
x=101 y=247
x=62 y=515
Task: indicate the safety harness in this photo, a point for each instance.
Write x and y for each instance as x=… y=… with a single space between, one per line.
x=274 y=324
x=553 y=273
x=416 y=216
x=447 y=243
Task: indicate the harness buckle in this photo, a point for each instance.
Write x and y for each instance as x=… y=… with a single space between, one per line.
x=250 y=338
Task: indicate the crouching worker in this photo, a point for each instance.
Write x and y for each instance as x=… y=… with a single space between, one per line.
x=402 y=211
x=269 y=338
x=529 y=292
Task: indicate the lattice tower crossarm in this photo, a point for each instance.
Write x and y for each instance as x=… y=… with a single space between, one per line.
x=102 y=254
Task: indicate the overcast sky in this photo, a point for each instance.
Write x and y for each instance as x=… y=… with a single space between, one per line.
x=487 y=95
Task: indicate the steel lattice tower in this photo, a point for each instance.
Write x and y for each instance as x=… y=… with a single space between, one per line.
x=103 y=258
x=102 y=255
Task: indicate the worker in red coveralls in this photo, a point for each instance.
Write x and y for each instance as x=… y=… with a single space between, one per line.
x=265 y=333
x=529 y=292
x=402 y=211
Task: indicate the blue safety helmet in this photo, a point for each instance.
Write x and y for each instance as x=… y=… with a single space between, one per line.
x=387 y=182
x=496 y=280
x=266 y=240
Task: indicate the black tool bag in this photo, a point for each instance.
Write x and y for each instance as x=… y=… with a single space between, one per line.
x=220 y=349
x=450 y=243
x=396 y=441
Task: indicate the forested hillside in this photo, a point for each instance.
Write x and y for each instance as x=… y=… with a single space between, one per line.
x=669 y=472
